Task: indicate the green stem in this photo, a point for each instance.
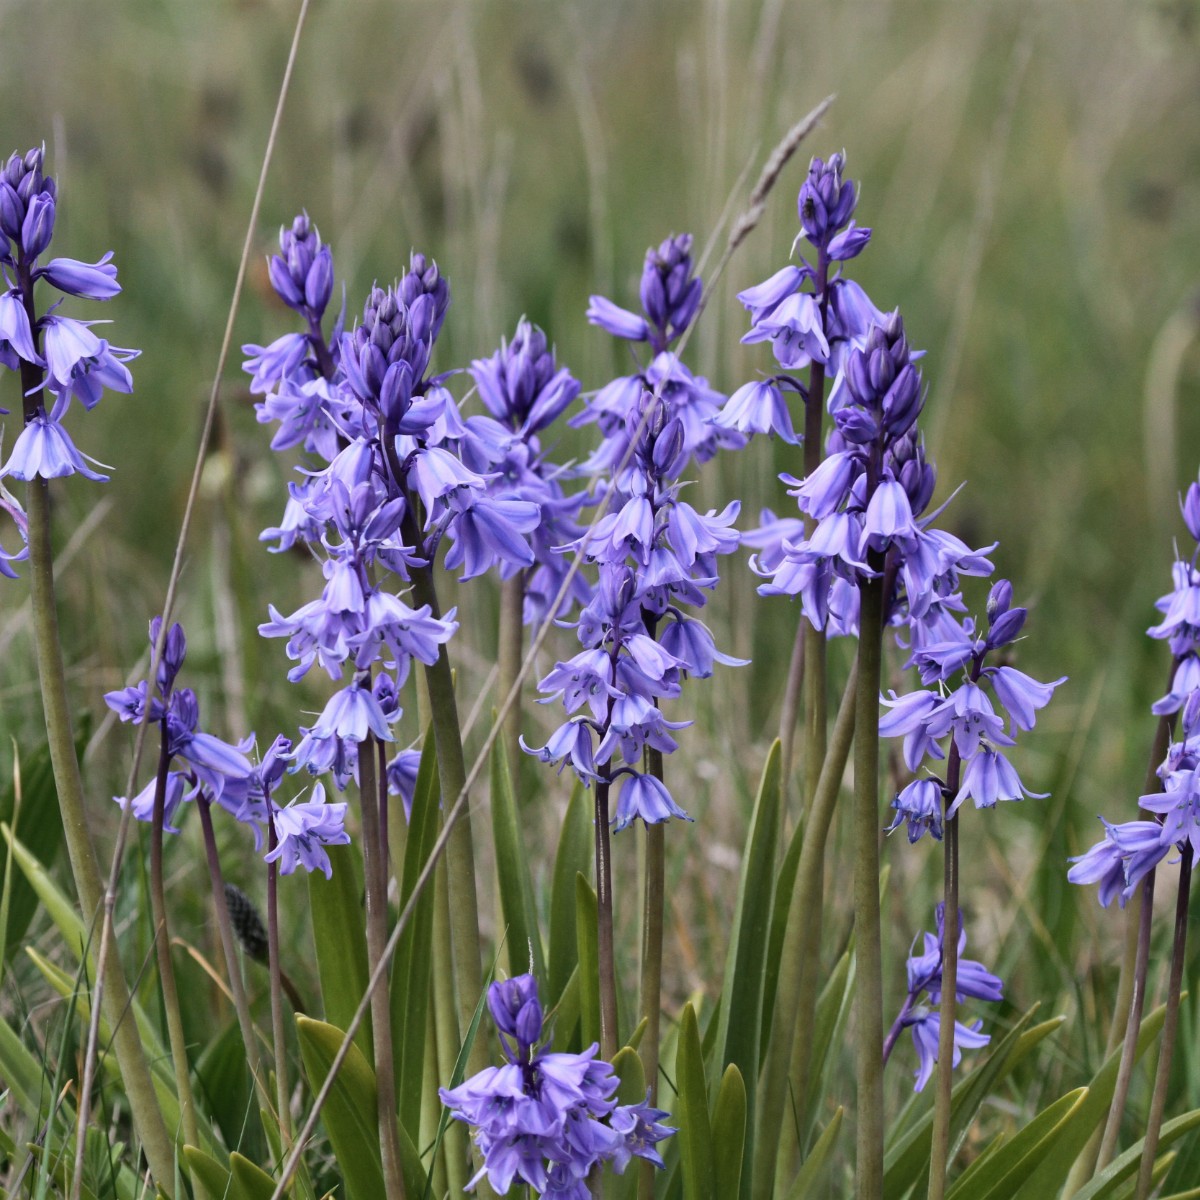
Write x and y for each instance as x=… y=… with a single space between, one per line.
x=604 y=919
x=790 y=1039
x=940 y=1145
x=1137 y=1003
x=652 y=954
x=460 y=852
x=1166 y=1051
x=162 y=949
x=868 y=998
x=135 y=1074
x=375 y=874
x=233 y=966
x=508 y=667
x=455 y=1154
x=277 y=1032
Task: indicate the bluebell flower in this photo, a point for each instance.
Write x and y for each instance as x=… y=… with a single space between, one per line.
x=304 y=830
x=543 y=1119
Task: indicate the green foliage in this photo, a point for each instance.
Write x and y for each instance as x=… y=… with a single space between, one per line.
x=696 y=1150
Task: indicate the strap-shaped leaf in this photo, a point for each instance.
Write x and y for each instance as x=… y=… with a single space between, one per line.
x=998 y=1175
x=729 y=1133
x=340 y=938
x=1047 y=1181
x=695 y=1129
x=589 y=960
x=248 y=1181
x=412 y=963
x=907 y=1161
x=627 y=1066
x=1105 y=1185
x=351 y=1113
x=740 y=1012
x=805 y=1183
x=524 y=940
x=829 y=1021
x=573 y=857
x=785 y=882
x=212 y=1177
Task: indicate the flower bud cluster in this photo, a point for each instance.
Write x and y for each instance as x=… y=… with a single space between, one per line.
x=59 y=357
x=547 y=1120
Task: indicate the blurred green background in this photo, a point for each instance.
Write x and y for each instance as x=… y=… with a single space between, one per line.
x=1032 y=173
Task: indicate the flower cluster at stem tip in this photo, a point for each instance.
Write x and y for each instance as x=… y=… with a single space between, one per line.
x=547 y=1119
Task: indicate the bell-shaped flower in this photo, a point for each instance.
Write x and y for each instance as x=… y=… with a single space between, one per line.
x=646 y=798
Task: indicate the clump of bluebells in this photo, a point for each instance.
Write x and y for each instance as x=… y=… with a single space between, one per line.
x=1130 y=850
x=402 y=471
x=59 y=358
x=920 y=1014
x=654 y=554
x=545 y=1119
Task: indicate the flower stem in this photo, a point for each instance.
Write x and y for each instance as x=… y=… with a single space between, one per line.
x=604 y=919
x=68 y=785
x=799 y=973
x=1137 y=1004
x=162 y=949
x=277 y=1032
x=940 y=1144
x=229 y=945
x=375 y=874
x=868 y=1007
x=652 y=952
x=1166 y=1051
x=508 y=666
x=897 y=1025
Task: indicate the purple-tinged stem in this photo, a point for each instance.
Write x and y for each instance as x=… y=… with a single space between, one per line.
x=889 y=1042
x=940 y=1145
x=162 y=949
x=229 y=945
x=1137 y=1004
x=375 y=878
x=1166 y=1050
x=277 y=1031
x=652 y=955
x=604 y=921
x=868 y=996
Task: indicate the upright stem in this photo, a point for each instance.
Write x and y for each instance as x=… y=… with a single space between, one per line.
x=790 y=1046
x=162 y=949
x=375 y=876
x=282 y=1089
x=508 y=667
x=1137 y=1003
x=1166 y=1051
x=68 y=785
x=868 y=1008
x=889 y=1042
x=460 y=851
x=604 y=918
x=237 y=987
x=940 y=1145
x=652 y=954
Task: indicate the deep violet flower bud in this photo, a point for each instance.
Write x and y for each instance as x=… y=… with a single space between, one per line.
x=173 y=653
x=1006 y=628
x=514 y=1006
x=1190 y=507
x=38 y=227
x=669 y=292
x=826 y=202
x=999 y=600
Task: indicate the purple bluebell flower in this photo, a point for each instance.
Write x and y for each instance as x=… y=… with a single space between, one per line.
x=304 y=830
x=547 y=1120
x=924 y=972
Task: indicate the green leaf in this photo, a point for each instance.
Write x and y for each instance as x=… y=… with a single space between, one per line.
x=228 y=1092
x=22 y=1073
x=247 y=1180
x=695 y=1130
x=208 y=1173
x=565 y=1015
x=1104 y=1186
x=589 y=961
x=1047 y=1181
x=785 y=883
x=995 y=1176
x=340 y=938
x=729 y=1132
x=805 y=1183
x=574 y=857
x=351 y=1114
x=740 y=1005
x=63 y=911
x=906 y=1161
x=829 y=1020
x=524 y=941
x=412 y=963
